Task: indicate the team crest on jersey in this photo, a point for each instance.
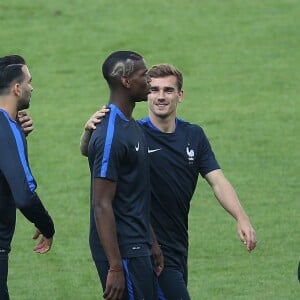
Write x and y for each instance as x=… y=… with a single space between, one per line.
x=191 y=155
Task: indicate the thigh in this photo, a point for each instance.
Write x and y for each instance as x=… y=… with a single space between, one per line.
x=3 y=275
x=140 y=278
x=172 y=285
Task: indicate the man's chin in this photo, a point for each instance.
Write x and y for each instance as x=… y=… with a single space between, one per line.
x=161 y=114
x=24 y=106
x=161 y=111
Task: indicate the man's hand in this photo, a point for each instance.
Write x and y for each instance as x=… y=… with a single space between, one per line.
x=115 y=285
x=96 y=118
x=25 y=121
x=44 y=245
x=246 y=233
x=158 y=258
x=89 y=126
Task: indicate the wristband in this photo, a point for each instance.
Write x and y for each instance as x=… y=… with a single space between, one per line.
x=115 y=270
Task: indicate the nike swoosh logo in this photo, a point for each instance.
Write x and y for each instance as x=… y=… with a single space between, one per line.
x=153 y=150
x=137 y=147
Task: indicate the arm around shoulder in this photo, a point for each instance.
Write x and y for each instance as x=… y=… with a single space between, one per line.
x=84 y=141
x=89 y=126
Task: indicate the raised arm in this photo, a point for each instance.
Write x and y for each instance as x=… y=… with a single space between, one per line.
x=84 y=141
x=89 y=126
x=228 y=198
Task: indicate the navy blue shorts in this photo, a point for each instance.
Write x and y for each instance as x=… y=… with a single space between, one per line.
x=173 y=279
x=141 y=281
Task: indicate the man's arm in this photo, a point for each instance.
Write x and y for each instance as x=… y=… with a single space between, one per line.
x=84 y=141
x=156 y=253
x=14 y=167
x=228 y=198
x=89 y=126
x=103 y=194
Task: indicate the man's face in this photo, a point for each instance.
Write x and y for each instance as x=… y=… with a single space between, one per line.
x=164 y=96
x=25 y=89
x=140 y=82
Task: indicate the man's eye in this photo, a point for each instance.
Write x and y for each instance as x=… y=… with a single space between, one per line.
x=169 y=91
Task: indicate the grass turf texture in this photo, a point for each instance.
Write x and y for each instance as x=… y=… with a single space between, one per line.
x=240 y=61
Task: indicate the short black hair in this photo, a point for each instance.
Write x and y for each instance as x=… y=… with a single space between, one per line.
x=11 y=60
x=10 y=70
x=118 y=64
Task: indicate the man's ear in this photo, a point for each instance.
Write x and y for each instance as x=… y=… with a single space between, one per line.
x=180 y=96
x=15 y=88
x=125 y=81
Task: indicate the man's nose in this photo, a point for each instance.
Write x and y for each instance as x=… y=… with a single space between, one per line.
x=161 y=94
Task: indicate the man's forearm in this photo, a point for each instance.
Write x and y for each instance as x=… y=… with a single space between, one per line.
x=84 y=141
x=226 y=194
x=228 y=198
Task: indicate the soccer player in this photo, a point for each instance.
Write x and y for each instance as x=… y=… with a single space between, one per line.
x=120 y=189
x=178 y=152
x=17 y=185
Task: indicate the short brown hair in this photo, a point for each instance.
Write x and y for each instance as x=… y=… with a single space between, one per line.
x=163 y=70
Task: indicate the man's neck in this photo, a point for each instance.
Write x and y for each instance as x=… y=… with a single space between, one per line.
x=125 y=105
x=166 y=125
x=6 y=105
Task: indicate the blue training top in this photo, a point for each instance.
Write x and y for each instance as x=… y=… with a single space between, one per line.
x=176 y=159
x=17 y=185
x=118 y=151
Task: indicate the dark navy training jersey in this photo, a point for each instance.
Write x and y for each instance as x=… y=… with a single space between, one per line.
x=17 y=185
x=118 y=151
x=176 y=159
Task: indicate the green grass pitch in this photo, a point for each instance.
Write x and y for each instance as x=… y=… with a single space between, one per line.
x=241 y=66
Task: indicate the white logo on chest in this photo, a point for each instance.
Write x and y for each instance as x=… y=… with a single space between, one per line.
x=153 y=150
x=137 y=148
x=190 y=153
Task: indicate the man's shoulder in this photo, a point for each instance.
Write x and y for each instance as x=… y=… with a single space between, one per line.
x=147 y=125
x=186 y=125
x=8 y=126
x=109 y=123
x=143 y=121
x=4 y=118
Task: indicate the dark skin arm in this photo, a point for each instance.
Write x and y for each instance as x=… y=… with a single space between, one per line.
x=103 y=195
